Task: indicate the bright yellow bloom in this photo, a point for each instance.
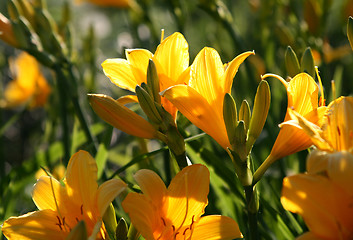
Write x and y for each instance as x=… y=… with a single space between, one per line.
x=201 y=101
x=6 y=32
x=171 y=59
x=29 y=85
x=302 y=92
x=175 y=213
x=61 y=207
x=324 y=205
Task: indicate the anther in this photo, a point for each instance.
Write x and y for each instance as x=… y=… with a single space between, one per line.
x=339 y=131
x=163 y=222
x=185 y=230
x=82 y=209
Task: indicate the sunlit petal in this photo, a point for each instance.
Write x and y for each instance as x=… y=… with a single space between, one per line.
x=127 y=99
x=216 y=227
x=107 y=192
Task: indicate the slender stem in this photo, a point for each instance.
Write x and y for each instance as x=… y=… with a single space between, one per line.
x=250 y=196
x=63 y=112
x=263 y=168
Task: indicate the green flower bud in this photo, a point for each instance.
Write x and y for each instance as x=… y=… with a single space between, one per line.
x=230 y=116
x=307 y=62
x=78 y=232
x=147 y=105
x=121 y=230
x=244 y=114
x=350 y=31
x=109 y=220
x=153 y=81
x=292 y=63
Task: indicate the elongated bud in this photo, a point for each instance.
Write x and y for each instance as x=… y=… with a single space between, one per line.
x=121 y=230
x=292 y=63
x=145 y=87
x=307 y=62
x=240 y=140
x=350 y=31
x=121 y=117
x=25 y=35
x=78 y=232
x=259 y=113
x=13 y=9
x=26 y=9
x=153 y=81
x=147 y=105
x=45 y=21
x=230 y=116
x=244 y=114
x=109 y=220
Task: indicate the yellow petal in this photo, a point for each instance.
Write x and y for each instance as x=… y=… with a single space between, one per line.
x=152 y=186
x=40 y=225
x=121 y=73
x=302 y=93
x=15 y=94
x=196 y=108
x=232 y=69
x=41 y=93
x=187 y=195
x=139 y=60
x=127 y=99
x=206 y=72
x=216 y=227
x=48 y=193
x=143 y=216
x=107 y=192
x=121 y=117
x=81 y=179
x=171 y=58
x=318 y=201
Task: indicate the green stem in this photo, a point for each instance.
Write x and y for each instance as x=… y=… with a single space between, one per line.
x=251 y=204
x=262 y=169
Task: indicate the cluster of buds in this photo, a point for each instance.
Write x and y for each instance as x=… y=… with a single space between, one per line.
x=32 y=28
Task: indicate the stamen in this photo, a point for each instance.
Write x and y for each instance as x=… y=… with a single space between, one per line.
x=163 y=222
x=173 y=228
x=77 y=219
x=339 y=131
x=185 y=230
x=82 y=209
x=322 y=103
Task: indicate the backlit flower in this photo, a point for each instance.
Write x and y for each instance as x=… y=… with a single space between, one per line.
x=175 y=212
x=29 y=85
x=171 y=59
x=201 y=101
x=62 y=206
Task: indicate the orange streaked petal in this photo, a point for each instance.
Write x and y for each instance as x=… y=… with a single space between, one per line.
x=313 y=197
x=308 y=236
x=142 y=214
x=187 y=194
x=302 y=93
x=232 y=69
x=44 y=191
x=172 y=58
x=216 y=227
x=127 y=99
x=6 y=32
x=151 y=185
x=196 y=108
x=107 y=192
x=121 y=117
x=39 y=225
x=206 y=72
x=120 y=73
x=81 y=179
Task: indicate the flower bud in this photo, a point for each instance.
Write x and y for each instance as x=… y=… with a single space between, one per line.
x=307 y=63
x=350 y=31
x=244 y=114
x=292 y=63
x=78 y=232
x=230 y=116
x=109 y=220
x=153 y=81
x=121 y=230
x=147 y=105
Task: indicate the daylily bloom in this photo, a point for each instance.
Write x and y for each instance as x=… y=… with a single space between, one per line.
x=175 y=213
x=324 y=196
x=171 y=59
x=6 y=32
x=29 y=85
x=302 y=92
x=201 y=101
x=61 y=207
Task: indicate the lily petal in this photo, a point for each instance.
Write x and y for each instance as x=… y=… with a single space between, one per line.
x=127 y=99
x=121 y=117
x=141 y=214
x=196 y=108
x=107 y=192
x=188 y=194
x=151 y=185
x=232 y=69
x=81 y=178
x=139 y=60
x=172 y=58
x=216 y=227
x=39 y=225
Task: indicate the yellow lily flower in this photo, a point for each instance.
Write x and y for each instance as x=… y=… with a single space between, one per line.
x=29 y=85
x=171 y=59
x=324 y=205
x=175 y=212
x=6 y=32
x=61 y=207
x=201 y=101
